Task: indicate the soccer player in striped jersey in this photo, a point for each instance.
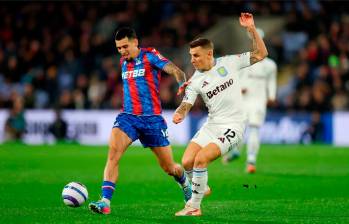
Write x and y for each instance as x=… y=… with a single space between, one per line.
x=216 y=80
x=141 y=114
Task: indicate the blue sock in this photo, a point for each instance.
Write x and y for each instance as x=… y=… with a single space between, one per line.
x=108 y=189
x=183 y=180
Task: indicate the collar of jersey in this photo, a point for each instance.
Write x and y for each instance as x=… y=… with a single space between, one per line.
x=138 y=56
x=214 y=64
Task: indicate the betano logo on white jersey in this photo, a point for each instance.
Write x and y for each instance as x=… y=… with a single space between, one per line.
x=220 y=89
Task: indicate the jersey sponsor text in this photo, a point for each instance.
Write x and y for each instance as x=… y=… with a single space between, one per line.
x=133 y=74
x=219 y=88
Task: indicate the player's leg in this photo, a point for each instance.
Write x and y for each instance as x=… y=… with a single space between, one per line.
x=188 y=162
x=234 y=153
x=166 y=162
x=205 y=156
x=255 y=121
x=253 y=145
x=200 y=140
x=153 y=134
x=220 y=140
x=188 y=158
x=118 y=144
x=122 y=135
x=200 y=177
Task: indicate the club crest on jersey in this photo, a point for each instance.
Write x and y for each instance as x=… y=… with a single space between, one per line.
x=138 y=62
x=222 y=71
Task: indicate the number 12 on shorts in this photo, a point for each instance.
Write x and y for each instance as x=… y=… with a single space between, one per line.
x=229 y=134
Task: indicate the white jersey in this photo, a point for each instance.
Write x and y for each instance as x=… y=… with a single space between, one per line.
x=259 y=82
x=220 y=90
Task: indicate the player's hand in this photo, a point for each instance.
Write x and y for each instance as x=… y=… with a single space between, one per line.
x=246 y=20
x=182 y=87
x=177 y=118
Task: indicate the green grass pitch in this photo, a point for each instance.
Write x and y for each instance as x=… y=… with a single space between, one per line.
x=293 y=184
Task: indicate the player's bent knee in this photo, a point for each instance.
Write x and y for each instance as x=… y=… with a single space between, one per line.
x=200 y=161
x=114 y=151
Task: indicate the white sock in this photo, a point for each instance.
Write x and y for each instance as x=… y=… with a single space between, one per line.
x=189 y=175
x=253 y=145
x=199 y=185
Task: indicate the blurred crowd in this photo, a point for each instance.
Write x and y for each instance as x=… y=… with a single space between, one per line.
x=62 y=54
x=315 y=46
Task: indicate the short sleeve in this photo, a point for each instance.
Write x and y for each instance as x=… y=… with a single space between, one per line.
x=156 y=59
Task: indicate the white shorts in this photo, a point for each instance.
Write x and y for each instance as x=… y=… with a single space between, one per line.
x=224 y=136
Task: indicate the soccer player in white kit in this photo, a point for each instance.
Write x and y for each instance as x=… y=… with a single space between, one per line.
x=217 y=82
x=258 y=86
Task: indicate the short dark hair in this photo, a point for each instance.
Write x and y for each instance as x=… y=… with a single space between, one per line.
x=125 y=32
x=201 y=42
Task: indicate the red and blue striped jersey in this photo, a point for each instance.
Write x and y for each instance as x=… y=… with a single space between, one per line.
x=141 y=81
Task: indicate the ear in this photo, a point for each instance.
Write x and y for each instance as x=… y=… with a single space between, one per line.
x=135 y=41
x=210 y=52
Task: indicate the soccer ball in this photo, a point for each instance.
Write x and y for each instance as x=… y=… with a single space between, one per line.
x=74 y=194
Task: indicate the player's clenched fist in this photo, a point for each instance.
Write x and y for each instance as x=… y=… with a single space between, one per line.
x=246 y=20
x=177 y=118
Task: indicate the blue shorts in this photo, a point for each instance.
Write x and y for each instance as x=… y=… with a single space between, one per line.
x=150 y=130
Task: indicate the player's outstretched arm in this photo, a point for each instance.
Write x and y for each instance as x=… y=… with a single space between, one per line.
x=172 y=69
x=181 y=112
x=259 y=51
